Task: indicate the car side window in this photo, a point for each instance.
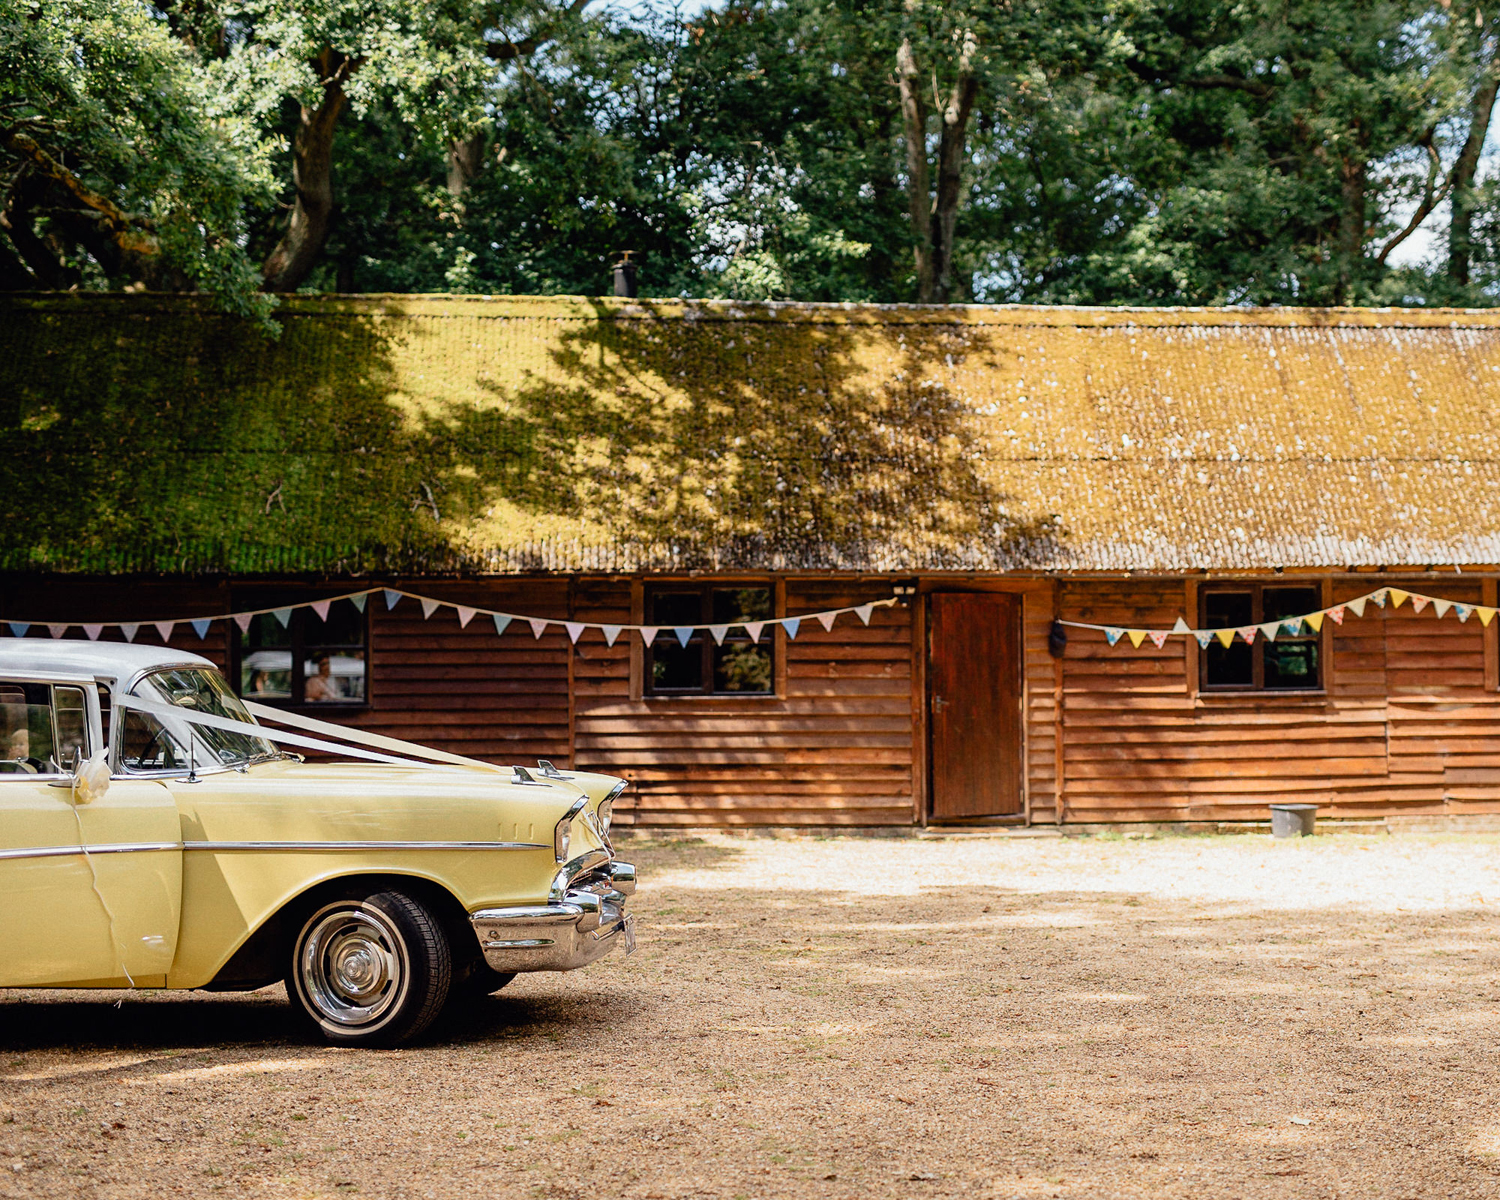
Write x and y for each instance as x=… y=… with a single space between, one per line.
x=145 y=744
x=41 y=729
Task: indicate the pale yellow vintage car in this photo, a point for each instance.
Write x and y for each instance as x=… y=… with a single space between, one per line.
x=153 y=835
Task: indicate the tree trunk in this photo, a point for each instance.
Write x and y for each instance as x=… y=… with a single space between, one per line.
x=15 y=222
x=1352 y=226
x=1461 y=224
x=951 y=170
x=914 y=122
x=464 y=159
x=312 y=174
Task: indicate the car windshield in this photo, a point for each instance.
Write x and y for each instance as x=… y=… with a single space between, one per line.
x=206 y=691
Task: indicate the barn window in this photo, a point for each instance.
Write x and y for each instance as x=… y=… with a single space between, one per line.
x=308 y=660
x=1292 y=662
x=738 y=666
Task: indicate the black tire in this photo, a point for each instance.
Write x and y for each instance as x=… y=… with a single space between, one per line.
x=483 y=980
x=370 y=968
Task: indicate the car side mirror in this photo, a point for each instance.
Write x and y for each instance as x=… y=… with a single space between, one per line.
x=91 y=777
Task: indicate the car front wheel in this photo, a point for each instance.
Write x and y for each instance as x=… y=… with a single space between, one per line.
x=371 y=969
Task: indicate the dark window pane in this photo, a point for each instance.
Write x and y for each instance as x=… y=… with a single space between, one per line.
x=26 y=729
x=146 y=746
x=742 y=668
x=266 y=630
x=676 y=608
x=1289 y=602
x=1230 y=666
x=1225 y=610
x=345 y=626
x=734 y=606
x=674 y=667
x=333 y=677
x=1292 y=664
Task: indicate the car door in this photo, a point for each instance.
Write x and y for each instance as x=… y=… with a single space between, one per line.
x=92 y=890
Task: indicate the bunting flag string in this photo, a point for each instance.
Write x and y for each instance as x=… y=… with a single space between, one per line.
x=465 y=613
x=1298 y=626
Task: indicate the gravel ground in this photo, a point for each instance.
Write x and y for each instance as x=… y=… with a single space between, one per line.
x=853 y=1018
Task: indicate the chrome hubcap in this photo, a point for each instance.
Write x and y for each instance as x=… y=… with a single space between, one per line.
x=351 y=964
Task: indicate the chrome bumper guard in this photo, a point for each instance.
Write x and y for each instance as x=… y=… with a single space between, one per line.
x=572 y=931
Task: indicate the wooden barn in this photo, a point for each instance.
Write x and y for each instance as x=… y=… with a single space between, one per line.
x=684 y=463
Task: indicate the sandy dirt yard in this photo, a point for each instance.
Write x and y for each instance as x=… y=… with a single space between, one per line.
x=853 y=1018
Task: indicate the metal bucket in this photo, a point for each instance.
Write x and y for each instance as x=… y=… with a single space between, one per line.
x=1293 y=820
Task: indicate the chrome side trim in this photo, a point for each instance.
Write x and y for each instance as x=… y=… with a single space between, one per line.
x=319 y=847
x=108 y=848
x=571 y=870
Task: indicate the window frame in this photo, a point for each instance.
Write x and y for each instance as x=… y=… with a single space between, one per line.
x=91 y=722
x=705 y=590
x=1257 y=686
x=296 y=628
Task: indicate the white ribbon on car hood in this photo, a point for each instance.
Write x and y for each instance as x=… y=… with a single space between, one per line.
x=417 y=754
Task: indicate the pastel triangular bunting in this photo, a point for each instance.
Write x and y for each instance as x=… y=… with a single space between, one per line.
x=1463 y=612
x=648 y=633
x=1293 y=627
x=392 y=598
x=284 y=615
x=826 y=620
x=684 y=634
x=429 y=607
x=1486 y=615
x=1397 y=597
x=1248 y=634
x=537 y=627
x=753 y=628
x=1336 y=614
x=321 y=608
x=465 y=615
x=359 y=599
x=1181 y=626
x=611 y=632
x=1136 y=636
x=1225 y=636
x=1357 y=607
x=93 y=632
x=130 y=630
x=1379 y=596
x=1269 y=630
x=200 y=627
x=19 y=628
x=502 y=622
x=1159 y=637
x=1315 y=620
x=57 y=630
x=791 y=625
x=1204 y=636
x=575 y=630
x=864 y=611
x=1441 y=607
x=1418 y=603
x=243 y=621
x=165 y=629
x=1113 y=635
x=719 y=632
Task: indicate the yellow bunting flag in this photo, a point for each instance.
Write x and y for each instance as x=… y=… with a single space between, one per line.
x=1486 y=615
x=1136 y=636
x=1315 y=620
x=1397 y=596
x=1225 y=636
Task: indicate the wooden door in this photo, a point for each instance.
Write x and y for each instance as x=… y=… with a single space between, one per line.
x=974 y=704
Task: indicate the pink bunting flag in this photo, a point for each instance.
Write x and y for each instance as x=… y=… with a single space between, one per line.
x=575 y=630
x=93 y=632
x=465 y=615
x=1159 y=637
x=321 y=608
x=753 y=628
x=1248 y=633
x=165 y=629
x=537 y=627
x=648 y=633
x=57 y=630
x=827 y=619
x=1418 y=603
x=243 y=621
x=1336 y=614
x=864 y=611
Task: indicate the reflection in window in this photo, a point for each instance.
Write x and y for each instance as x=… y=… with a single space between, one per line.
x=308 y=660
x=1287 y=663
x=736 y=666
x=44 y=729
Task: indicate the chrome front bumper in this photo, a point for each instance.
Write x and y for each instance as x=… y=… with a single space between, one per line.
x=585 y=923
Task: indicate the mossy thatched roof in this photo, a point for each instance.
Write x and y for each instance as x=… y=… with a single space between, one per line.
x=433 y=434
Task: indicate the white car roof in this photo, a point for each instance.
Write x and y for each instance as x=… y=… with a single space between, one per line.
x=95 y=660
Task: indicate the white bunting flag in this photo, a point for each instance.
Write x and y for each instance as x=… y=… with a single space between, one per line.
x=575 y=630
x=683 y=632
x=1357 y=607
x=1269 y=630
x=1159 y=637
x=465 y=615
x=284 y=615
x=864 y=611
x=537 y=627
x=57 y=630
x=165 y=629
x=93 y=632
x=1181 y=626
x=718 y=631
x=130 y=630
x=611 y=632
x=1441 y=607
x=648 y=633
x=753 y=628
x=791 y=625
x=392 y=598
x=200 y=627
x=19 y=628
x=321 y=608
x=243 y=621
x=502 y=623
x=826 y=620
x=429 y=607
x=359 y=599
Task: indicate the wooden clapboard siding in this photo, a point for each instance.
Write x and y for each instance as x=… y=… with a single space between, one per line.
x=503 y=699
x=1406 y=724
x=835 y=748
